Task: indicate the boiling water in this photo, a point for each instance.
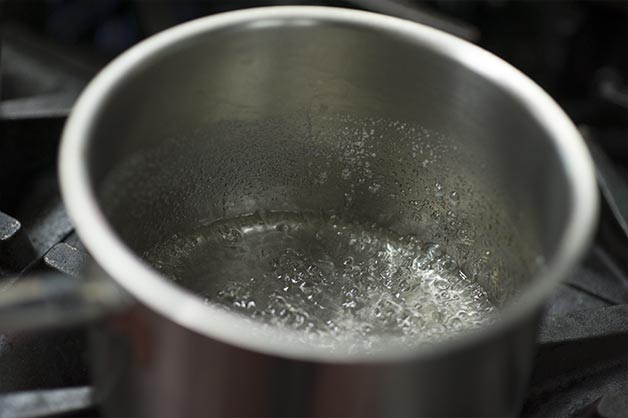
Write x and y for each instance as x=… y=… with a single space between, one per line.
x=336 y=280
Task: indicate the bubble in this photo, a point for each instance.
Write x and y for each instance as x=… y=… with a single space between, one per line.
x=374 y=187
x=456 y=323
x=421 y=263
x=333 y=280
x=313 y=269
x=441 y=284
x=231 y=235
x=434 y=250
x=349 y=304
x=449 y=264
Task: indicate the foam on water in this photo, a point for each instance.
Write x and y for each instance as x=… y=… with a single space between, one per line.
x=337 y=281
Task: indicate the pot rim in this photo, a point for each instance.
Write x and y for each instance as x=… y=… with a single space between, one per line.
x=189 y=311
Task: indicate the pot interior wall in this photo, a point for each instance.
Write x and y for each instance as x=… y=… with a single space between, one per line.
x=274 y=115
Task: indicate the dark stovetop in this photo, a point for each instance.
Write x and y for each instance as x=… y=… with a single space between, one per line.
x=574 y=50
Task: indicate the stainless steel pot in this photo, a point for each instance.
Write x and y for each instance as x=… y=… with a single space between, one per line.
x=243 y=111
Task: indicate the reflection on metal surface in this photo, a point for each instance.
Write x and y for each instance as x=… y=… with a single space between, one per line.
x=46 y=402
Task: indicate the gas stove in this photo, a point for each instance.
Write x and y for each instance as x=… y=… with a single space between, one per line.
x=576 y=51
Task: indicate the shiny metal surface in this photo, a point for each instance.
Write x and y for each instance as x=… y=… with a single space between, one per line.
x=241 y=111
x=44 y=402
x=146 y=365
x=56 y=301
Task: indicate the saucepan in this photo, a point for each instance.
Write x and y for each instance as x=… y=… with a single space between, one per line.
x=354 y=121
